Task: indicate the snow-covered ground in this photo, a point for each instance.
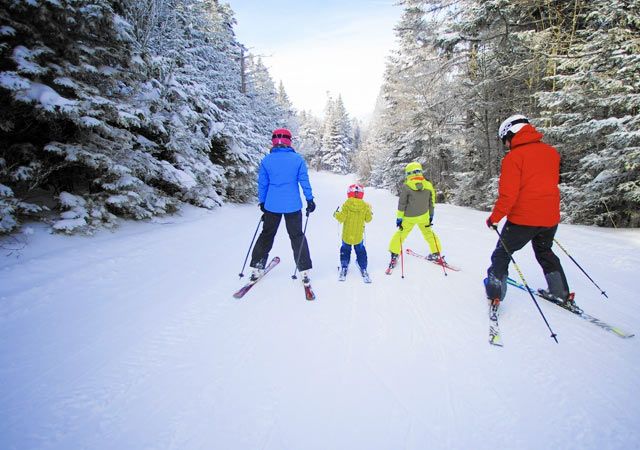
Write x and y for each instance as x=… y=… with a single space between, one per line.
x=131 y=340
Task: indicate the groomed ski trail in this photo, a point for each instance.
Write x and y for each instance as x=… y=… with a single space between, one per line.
x=131 y=339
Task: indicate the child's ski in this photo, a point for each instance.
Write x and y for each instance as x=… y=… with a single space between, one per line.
x=440 y=261
x=244 y=289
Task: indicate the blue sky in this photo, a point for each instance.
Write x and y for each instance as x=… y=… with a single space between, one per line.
x=316 y=47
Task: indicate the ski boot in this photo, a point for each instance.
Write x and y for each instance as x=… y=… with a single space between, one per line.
x=365 y=275
x=256 y=274
x=495 y=290
x=394 y=261
x=343 y=273
x=567 y=303
x=258 y=269
x=306 y=280
x=434 y=257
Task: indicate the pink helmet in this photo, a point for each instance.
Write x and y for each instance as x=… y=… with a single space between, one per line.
x=355 y=190
x=281 y=136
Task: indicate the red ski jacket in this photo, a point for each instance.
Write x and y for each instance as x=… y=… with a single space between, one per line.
x=528 y=192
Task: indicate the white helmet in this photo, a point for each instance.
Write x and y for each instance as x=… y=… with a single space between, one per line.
x=511 y=126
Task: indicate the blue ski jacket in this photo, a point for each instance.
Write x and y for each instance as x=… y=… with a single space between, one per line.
x=280 y=173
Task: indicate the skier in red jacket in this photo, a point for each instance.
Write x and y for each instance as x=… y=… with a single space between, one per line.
x=529 y=197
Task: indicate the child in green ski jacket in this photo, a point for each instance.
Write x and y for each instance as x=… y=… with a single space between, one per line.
x=353 y=215
x=415 y=207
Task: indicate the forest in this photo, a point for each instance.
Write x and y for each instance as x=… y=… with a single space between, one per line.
x=127 y=109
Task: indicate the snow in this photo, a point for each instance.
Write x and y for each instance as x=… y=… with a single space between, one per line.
x=131 y=339
x=12 y=81
x=6 y=30
x=22 y=58
x=47 y=97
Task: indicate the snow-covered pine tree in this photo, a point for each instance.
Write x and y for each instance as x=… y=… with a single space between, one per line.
x=309 y=135
x=67 y=72
x=593 y=106
x=420 y=105
x=123 y=108
x=373 y=152
x=288 y=115
x=337 y=143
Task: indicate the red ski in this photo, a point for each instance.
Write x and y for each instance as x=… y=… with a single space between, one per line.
x=440 y=261
x=244 y=289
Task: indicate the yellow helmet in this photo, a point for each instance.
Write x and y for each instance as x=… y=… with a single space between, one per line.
x=413 y=168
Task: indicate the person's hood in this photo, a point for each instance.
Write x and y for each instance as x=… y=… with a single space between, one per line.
x=526 y=135
x=416 y=183
x=354 y=204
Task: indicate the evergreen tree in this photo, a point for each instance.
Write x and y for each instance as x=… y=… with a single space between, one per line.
x=593 y=106
x=337 y=146
x=310 y=136
x=125 y=108
x=288 y=116
x=420 y=106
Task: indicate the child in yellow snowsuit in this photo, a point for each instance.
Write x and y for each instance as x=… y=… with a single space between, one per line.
x=353 y=215
x=415 y=207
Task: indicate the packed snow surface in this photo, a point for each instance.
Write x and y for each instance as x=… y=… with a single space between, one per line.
x=131 y=339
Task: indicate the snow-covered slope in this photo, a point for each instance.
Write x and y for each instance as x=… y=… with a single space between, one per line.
x=131 y=340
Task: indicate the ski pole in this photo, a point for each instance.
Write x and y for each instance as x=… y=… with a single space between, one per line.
x=241 y=274
x=529 y=290
x=579 y=267
x=438 y=250
x=304 y=239
x=401 y=258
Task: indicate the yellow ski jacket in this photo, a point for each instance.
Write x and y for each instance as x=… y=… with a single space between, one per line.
x=354 y=213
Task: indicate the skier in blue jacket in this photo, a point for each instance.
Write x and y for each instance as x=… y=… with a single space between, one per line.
x=280 y=174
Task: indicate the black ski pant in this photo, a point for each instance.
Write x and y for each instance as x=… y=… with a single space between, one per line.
x=270 y=224
x=517 y=236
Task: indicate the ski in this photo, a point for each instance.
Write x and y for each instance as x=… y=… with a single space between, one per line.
x=342 y=275
x=575 y=310
x=244 y=289
x=494 y=329
x=308 y=293
x=440 y=262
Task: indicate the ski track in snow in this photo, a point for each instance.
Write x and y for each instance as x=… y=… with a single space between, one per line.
x=131 y=339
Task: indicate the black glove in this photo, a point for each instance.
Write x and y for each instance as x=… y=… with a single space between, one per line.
x=261 y=205
x=311 y=206
x=490 y=224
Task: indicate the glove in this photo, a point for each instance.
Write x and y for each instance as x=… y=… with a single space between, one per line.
x=261 y=205
x=311 y=206
x=490 y=223
x=433 y=214
x=399 y=223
